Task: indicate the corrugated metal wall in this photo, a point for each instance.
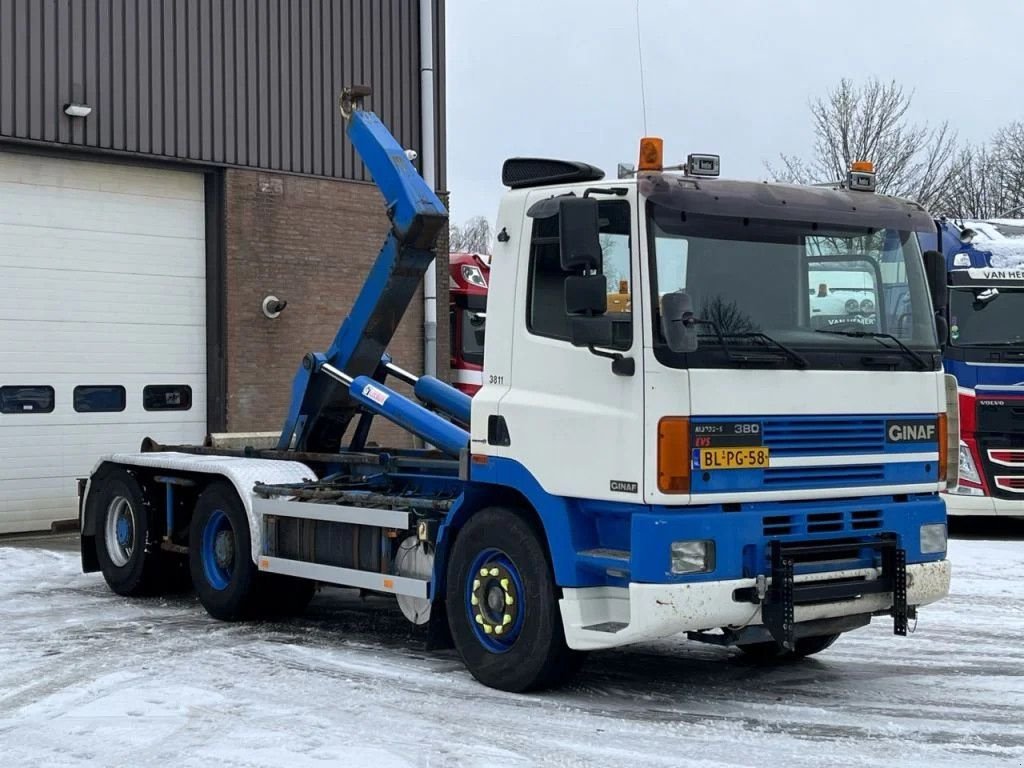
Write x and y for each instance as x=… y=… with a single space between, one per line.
x=251 y=83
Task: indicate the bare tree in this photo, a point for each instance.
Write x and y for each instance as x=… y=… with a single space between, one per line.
x=988 y=180
x=976 y=189
x=472 y=237
x=1008 y=148
x=870 y=122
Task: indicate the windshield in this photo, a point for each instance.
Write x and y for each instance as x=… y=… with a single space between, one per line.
x=473 y=326
x=980 y=316
x=791 y=281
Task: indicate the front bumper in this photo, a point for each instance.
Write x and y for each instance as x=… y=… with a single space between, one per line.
x=987 y=506
x=608 y=617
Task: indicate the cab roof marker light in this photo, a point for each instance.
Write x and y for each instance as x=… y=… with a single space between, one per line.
x=703 y=165
x=861 y=176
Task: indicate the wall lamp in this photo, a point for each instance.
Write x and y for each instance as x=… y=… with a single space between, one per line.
x=77 y=110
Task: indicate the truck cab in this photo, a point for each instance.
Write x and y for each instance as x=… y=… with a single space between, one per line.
x=984 y=350
x=715 y=419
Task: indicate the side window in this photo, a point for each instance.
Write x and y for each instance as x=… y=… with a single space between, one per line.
x=545 y=302
x=98 y=399
x=167 y=397
x=672 y=253
x=26 y=399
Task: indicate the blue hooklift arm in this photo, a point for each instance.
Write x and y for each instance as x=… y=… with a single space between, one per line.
x=321 y=408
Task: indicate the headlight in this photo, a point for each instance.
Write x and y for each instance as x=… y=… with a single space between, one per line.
x=473 y=276
x=867 y=305
x=852 y=305
x=968 y=470
x=693 y=556
x=933 y=538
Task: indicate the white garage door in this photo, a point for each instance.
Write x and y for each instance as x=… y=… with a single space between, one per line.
x=102 y=323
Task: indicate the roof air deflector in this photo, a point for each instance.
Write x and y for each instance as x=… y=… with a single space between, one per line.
x=521 y=172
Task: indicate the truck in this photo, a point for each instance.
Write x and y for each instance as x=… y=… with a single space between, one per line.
x=467 y=289
x=984 y=350
x=701 y=460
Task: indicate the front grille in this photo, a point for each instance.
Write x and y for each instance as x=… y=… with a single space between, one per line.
x=804 y=523
x=1002 y=462
x=814 y=436
x=1007 y=457
x=1010 y=483
x=810 y=477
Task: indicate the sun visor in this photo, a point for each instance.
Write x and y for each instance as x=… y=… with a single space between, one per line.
x=782 y=202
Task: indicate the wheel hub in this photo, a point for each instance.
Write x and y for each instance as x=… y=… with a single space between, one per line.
x=119 y=531
x=124 y=531
x=494 y=599
x=224 y=549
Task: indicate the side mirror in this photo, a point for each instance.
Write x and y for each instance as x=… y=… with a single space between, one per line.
x=935 y=270
x=942 y=330
x=677 y=322
x=586 y=300
x=591 y=331
x=579 y=234
x=586 y=295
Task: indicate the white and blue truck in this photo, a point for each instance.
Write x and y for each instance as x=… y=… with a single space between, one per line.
x=711 y=459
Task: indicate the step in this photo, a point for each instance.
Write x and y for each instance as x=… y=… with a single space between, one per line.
x=605 y=559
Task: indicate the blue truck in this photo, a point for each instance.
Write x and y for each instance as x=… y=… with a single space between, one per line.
x=985 y=352
x=713 y=458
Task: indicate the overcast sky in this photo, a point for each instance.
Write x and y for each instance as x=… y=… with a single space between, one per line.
x=561 y=78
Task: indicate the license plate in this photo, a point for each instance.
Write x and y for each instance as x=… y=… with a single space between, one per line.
x=755 y=457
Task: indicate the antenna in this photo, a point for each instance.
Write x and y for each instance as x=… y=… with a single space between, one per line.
x=640 y=54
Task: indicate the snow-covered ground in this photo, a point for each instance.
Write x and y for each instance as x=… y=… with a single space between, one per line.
x=89 y=678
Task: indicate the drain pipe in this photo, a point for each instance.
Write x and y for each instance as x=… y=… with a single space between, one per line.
x=429 y=171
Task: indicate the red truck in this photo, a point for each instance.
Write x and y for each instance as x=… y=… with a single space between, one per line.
x=469 y=274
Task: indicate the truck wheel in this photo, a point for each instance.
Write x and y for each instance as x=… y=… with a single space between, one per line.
x=125 y=547
x=220 y=560
x=773 y=651
x=502 y=606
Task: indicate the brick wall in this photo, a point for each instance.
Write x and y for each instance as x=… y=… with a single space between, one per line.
x=311 y=242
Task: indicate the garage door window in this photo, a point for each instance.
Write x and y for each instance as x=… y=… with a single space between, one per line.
x=26 y=399
x=167 y=397
x=99 y=399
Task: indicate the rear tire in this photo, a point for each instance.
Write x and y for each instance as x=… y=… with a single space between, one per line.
x=774 y=652
x=126 y=543
x=502 y=605
x=220 y=559
x=229 y=585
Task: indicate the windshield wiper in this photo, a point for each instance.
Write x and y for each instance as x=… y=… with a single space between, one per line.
x=798 y=360
x=922 y=365
x=1006 y=343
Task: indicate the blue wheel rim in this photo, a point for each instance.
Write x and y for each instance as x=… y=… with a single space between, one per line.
x=217 y=550
x=493 y=580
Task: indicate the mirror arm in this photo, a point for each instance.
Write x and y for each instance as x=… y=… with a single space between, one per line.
x=621 y=365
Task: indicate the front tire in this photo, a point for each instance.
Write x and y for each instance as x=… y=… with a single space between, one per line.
x=774 y=652
x=502 y=605
x=126 y=545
